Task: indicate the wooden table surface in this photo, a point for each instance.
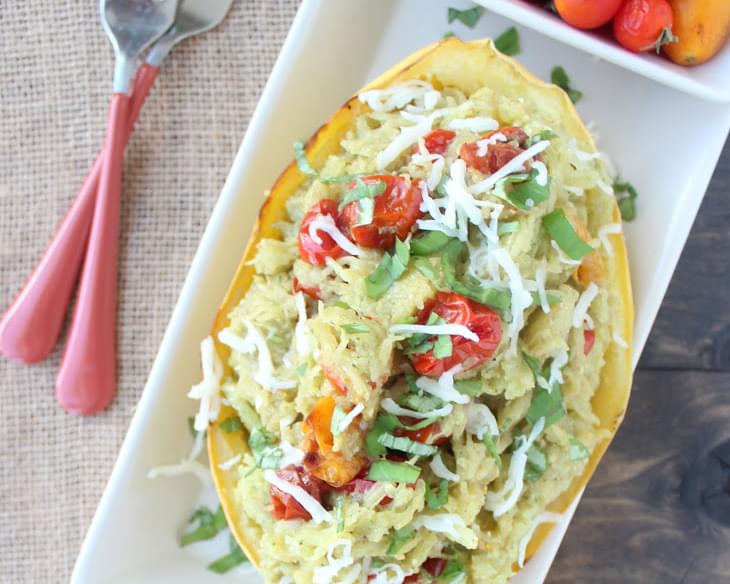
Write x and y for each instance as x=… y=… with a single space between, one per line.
x=658 y=508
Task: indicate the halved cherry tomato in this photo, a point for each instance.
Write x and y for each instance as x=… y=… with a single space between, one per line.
x=311 y=291
x=286 y=506
x=457 y=309
x=589 y=339
x=437 y=142
x=423 y=434
x=394 y=215
x=642 y=25
x=498 y=154
x=336 y=383
x=587 y=14
x=309 y=250
x=435 y=566
x=319 y=459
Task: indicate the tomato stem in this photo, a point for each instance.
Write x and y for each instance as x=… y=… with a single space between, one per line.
x=665 y=37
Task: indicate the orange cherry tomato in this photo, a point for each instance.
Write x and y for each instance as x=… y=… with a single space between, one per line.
x=587 y=14
x=394 y=215
x=642 y=25
x=457 y=309
x=286 y=506
x=498 y=154
x=309 y=250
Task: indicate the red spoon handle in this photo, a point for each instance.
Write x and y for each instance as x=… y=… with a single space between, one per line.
x=86 y=381
x=30 y=328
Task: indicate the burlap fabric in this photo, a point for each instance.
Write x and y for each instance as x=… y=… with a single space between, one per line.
x=56 y=68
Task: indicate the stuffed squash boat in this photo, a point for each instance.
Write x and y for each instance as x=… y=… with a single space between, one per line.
x=425 y=350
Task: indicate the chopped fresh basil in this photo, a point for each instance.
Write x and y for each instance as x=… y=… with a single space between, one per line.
x=209 y=524
x=541 y=136
x=403 y=444
x=578 y=451
x=509 y=227
x=546 y=404
x=448 y=34
x=301 y=369
x=627 y=202
x=562 y=232
x=340 y=513
x=420 y=425
x=232 y=424
x=363 y=190
x=338 y=414
x=493 y=297
x=435 y=499
x=382 y=425
x=417 y=343
x=356 y=328
x=559 y=77
x=443 y=347
x=266 y=454
x=191 y=426
x=391 y=267
x=536 y=464
x=429 y=243
x=425 y=267
x=397 y=472
x=305 y=167
x=491 y=445
x=552 y=298
x=441 y=187
x=471 y=387
x=508 y=42
x=247 y=414
x=525 y=192
x=398 y=539
x=534 y=364
x=340 y=304
x=455 y=570
x=468 y=17
x=234 y=558
x=365 y=211
x=421 y=403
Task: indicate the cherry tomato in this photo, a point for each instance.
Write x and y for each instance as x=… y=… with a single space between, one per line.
x=498 y=154
x=336 y=383
x=457 y=309
x=311 y=291
x=435 y=566
x=309 y=250
x=641 y=25
x=286 y=506
x=437 y=142
x=421 y=435
x=332 y=467
x=587 y=14
x=589 y=339
x=395 y=213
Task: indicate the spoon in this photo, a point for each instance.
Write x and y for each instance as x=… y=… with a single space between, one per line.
x=31 y=326
x=88 y=367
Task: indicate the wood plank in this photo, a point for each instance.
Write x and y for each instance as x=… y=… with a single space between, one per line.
x=658 y=508
x=692 y=330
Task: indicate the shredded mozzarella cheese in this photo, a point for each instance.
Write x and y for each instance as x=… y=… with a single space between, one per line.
x=441 y=471
x=456 y=330
x=542 y=173
x=398 y=96
x=326 y=224
x=290 y=455
x=483 y=145
x=517 y=164
x=436 y=161
x=561 y=256
x=605 y=231
x=326 y=574
x=576 y=191
x=619 y=340
x=450 y=524
x=350 y=417
x=540 y=277
x=545 y=517
x=481 y=420
x=300 y=331
x=381 y=575
x=230 y=463
x=503 y=500
x=583 y=304
x=560 y=360
x=443 y=387
x=254 y=341
x=310 y=504
x=479 y=124
x=606 y=188
x=393 y=408
x=208 y=390
x=521 y=298
x=408 y=136
x=190 y=465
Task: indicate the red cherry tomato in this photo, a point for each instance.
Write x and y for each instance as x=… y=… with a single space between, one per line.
x=435 y=566
x=286 y=506
x=498 y=154
x=336 y=383
x=437 y=142
x=311 y=291
x=395 y=213
x=423 y=434
x=641 y=25
x=457 y=309
x=587 y=14
x=589 y=339
x=310 y=251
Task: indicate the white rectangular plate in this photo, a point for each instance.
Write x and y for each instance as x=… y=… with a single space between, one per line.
x=709 y=80
x=664 y=141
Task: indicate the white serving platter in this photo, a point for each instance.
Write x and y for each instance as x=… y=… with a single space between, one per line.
x=709 y=80
x=665 y=141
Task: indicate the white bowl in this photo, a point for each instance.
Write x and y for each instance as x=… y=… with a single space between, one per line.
x=710 y=80
x=667 y=147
